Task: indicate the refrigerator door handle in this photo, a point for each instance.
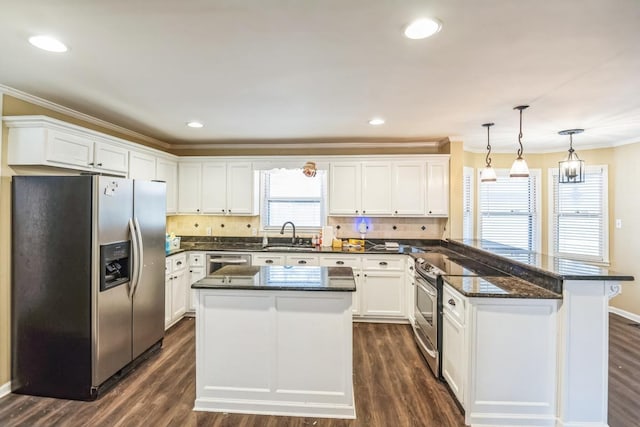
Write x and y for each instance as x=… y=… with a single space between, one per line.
x=141 y=253
x=135 y=267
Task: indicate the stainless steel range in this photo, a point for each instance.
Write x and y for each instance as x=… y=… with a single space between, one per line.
x=431 y=267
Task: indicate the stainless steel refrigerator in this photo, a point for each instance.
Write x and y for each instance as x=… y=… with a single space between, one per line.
x=87 y=281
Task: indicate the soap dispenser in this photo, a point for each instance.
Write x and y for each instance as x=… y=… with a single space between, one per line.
x=265 y=240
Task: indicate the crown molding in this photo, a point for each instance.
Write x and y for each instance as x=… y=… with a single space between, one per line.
x=308 y=144
x=41 y=102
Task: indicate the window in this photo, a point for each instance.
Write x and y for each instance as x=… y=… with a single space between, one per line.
x=289 y=195
x=467 y=204
x=509 y=210
x=579 y=216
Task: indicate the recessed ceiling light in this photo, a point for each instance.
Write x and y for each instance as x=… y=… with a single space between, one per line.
x=195 y=124
x=376 y=121
x=422 y=28
x=48 y=43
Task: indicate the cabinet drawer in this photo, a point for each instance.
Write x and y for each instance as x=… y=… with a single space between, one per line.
x=340 y=261
x=179 y=262
x=270 y=259
x=302 y=260
x=168 y=266
x=384 y=263
x=453 y=304
x=196 y=260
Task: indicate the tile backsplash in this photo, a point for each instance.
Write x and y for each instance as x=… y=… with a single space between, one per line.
x=245 y=226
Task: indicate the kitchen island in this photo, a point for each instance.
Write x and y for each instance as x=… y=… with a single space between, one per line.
x=275 y=340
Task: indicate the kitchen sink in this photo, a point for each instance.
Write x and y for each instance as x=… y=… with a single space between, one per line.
x=277 y=248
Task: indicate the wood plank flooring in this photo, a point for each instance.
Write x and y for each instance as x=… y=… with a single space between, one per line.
x=393 y=387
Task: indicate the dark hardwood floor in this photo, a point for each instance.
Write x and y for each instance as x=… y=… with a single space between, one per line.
x=393 y=387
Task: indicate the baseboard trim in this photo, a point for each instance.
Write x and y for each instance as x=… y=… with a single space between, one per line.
x=625 y=314
x=5 y=389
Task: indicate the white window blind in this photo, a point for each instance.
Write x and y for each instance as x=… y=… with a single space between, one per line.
x=579 y=216
x=289 y=195
x=467 y=203
x=509 y=210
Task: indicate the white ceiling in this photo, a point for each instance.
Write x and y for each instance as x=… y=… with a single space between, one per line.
x=265 y=70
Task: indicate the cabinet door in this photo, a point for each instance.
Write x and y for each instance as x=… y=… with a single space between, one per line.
x=383 y=294
x=195 y=274
x=167 y=171
x=189 y=184
x=168 y=291
x=344 y=189
x=109 y=157
x=142 y=166
x=302 y=260
x=409 y=188
x=69 y=149
x=357 y=295
x=376 y=188
x=268 y=259
x=410 y=286
x=438 y=187
x=453 y=355
x=240 y=189
x=214 y=188
x=179 y=295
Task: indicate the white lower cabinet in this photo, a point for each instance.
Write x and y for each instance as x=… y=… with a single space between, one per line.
x=175 y=289
x=196 y=272
x=353 y=261
x=383 y=294
x=453 y=341
x=268 y=259
x=410 y=289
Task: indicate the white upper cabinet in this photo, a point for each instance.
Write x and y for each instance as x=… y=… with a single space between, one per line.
x=344 y=188
x=438 y=187
x=110 y=157
x=224 y=188
x=376 y=188
x=390 y=188
x=409 y=188
x=66 y=148
x=214 y=187
x=241 y=189
x=142 y=166
x=189 y=187
x=167 y=171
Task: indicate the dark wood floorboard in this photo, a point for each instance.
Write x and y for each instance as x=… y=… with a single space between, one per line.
x=393 y=387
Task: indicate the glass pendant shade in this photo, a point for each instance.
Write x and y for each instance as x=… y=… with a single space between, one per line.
x=488 y=174
x=519 y=169
x=571 y=171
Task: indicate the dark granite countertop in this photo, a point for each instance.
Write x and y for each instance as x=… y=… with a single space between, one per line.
x=280 y=278
x=498 y=287
x=560 y=268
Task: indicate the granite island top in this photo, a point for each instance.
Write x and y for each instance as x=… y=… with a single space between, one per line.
x=280 y=278
x=559 y=268
x=498 y=287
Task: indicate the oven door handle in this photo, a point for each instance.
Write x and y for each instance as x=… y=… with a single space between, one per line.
x=430 y=350
x=427 y=291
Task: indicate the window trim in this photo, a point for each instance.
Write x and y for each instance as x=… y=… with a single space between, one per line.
x=605 y=261
x=538 y=205
x=471 y=173
x=303 y=229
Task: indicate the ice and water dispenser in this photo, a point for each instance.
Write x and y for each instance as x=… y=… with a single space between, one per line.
x=114 y=264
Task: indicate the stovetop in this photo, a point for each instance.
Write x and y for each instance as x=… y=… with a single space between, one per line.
x=432 y=264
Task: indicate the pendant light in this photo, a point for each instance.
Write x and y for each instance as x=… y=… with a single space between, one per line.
x=488 y=174
x=519 y=169
x=571 y=171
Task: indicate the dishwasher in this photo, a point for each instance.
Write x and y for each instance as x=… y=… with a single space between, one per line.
x=216 y=261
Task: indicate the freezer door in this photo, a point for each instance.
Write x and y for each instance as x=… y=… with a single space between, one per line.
x=112 y=307
x=148 y=295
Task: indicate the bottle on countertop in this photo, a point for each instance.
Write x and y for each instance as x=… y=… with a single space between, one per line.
x=314 y=240
x=265 y=239
x=319 y=243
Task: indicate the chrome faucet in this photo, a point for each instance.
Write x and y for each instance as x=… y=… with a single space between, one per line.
x=293 y=237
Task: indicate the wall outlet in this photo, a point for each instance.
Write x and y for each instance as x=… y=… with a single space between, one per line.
x=618 y=223
x=208 y=231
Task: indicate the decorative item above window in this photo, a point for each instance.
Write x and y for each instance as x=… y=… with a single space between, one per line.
x=519 y=169
x=571 y=171
x=488 y=174
x=309 y=169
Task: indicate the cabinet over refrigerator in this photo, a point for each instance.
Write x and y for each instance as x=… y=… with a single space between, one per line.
x=88 y=281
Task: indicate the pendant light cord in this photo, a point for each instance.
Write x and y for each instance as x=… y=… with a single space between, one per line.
x=487 y=158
